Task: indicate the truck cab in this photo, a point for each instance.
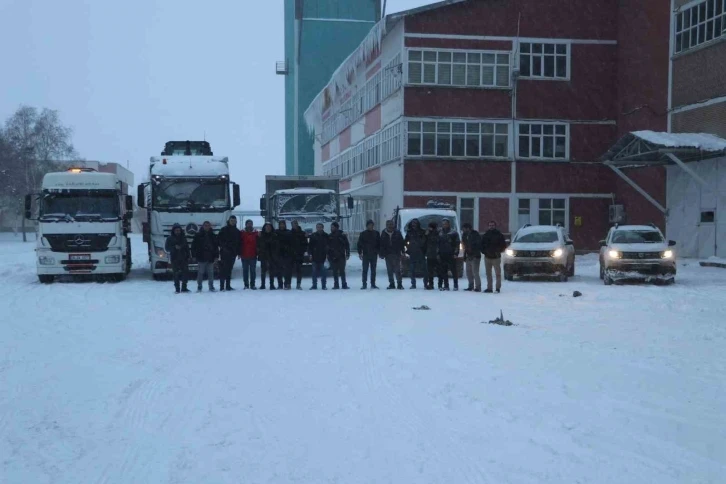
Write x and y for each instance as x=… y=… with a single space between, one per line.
x=83 y=225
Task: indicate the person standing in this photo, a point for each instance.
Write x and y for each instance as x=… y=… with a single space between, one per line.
x=471 y=241
x=266 y=253
x=178 y=249
x=248 y=254
x=299 y=247
x=318 y=250
x=493 y=244
x=369 y=246
x=415 y=243
x=449 y=246
x=205 y=247
x=392 y=250
x=285 y=256
x=431 y=247
x=229 y=248
x=338 y=254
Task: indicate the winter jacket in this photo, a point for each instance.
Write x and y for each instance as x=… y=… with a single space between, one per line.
x=299 y=244
x=415 y=242
x=229 y=241
x=318 y=247
x=472 y=244
x=177 y=247
x=205 y=246
x=369 y=243
x=432 y=244
x=284 y=244
x=493 y=244
x=449 y=243
x=248 y=245
x=338 y=246
x=391 y=244
x=267 y=245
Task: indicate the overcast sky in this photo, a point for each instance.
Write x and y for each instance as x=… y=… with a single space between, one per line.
x=128 y=76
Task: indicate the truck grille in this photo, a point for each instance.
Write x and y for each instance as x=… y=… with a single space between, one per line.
x=640 y=255
x=79 y=242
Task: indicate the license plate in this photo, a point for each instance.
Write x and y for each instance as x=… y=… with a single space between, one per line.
x=80 y=257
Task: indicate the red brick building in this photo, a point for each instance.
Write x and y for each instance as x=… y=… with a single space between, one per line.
x=503 y=108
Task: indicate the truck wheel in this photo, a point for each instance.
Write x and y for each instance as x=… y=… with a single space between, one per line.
x=45 y=279
x=118 y=277
x=128 y=257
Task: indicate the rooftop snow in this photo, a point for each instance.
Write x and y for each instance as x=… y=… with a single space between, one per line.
x=535 y=229
x=303 y=190
x=190 y=166
x=701 y=141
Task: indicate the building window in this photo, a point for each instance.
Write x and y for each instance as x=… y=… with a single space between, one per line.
x=466 y=211
x=708 y=217
x=552 y=211
x=523 y=212
x=458 y=139
x=458 y=68
x=544 y=60
x=543 y=141
x=699 y=24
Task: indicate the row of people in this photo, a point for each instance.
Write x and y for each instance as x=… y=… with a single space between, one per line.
x=281 y=252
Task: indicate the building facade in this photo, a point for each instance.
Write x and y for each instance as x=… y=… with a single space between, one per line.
x=319 y=35
x=503 y=109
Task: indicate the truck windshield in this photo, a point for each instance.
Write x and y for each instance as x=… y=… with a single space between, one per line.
x=79 y=205
x=197 y=195
x=306 y=203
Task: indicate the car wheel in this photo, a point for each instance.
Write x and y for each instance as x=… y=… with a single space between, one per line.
x=45 y=279
x=602 y=272
x=607 y=280
x=508 y=276
x=563 y=277
x=572 y=270
x=157 y=277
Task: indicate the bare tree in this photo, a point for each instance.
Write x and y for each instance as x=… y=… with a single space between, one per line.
x=35 y=143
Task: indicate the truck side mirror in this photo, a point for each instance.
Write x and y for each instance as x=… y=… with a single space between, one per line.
x=129 y=203
x=671 y=243
x=235 y=195
x=28 y=207
x=263 y=204
x=351 y=203
x=603 y=243
x=141 y=196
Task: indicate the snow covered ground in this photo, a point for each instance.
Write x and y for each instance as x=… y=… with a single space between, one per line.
x=129 y=383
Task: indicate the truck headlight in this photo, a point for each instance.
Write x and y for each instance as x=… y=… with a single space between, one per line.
x=509 y=252
x=160 y=252
x=614 y=254
x=46 y=261
x=668 y=254
x=557 y=253
x=113 y=259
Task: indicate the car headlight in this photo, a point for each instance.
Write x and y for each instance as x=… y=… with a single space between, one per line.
x=668 y=254
x=46 y=261
x=557 y=253
x=461 y=247
x=160 y=252
x=509 y=252
x=113 y=259
x=614 y=254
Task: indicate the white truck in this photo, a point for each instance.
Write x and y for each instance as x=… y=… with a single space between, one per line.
x=187 y=185
x=83 y=225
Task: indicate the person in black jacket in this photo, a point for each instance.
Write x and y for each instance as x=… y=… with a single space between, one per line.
x=205 y=247
x=229 y=246
x=369 y=245
x=299 y=247
x=493 y=244
x=266 y=254
x=431 y=249
x=415 y=242
x=338 y=253
x=285 y=256
x=471 y=240
x=449 y=245
x=392 y=250
x=318 y=250
x=178 y=249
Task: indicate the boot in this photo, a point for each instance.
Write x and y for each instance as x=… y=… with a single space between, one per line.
x=400 y=286
x=364 y=287
x=262 y=286
x=469 y=289
x=391 y=285
x=229 y=287
x=373 y=286
x=345 y=286
x=299 y=287
x=184 y=288
x=488 y=291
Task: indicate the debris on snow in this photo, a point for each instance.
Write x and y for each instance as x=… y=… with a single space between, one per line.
x=501 y=321
x=576 y=294
x=422 y=308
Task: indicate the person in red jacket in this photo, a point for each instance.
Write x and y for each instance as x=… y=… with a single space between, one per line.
x=248 y=254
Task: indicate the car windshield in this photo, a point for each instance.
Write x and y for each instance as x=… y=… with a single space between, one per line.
x=538 y=237
x=636 y=237
x=306 y=203
x=425 y=220
x=79 y=205
x=191 y=195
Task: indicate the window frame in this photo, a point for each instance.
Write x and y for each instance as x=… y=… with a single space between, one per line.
x=519 y=156
x=690 y=14
x=543 y=42
x=451 y=63
x=463 y=136
x=551 y=209
x=474 y=210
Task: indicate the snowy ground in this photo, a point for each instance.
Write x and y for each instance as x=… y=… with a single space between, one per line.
x=129 y=383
